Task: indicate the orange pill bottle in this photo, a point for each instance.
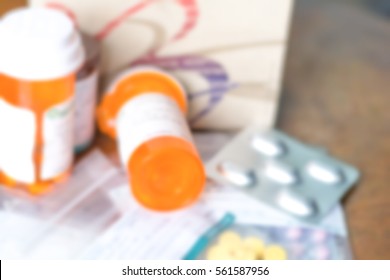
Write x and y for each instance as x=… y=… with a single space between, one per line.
x=40 y=53
x=144 y=109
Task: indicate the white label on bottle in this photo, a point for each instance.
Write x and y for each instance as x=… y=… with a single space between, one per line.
x=85 y=103
x=17 y=139
x=58 y=139
x=146 y=117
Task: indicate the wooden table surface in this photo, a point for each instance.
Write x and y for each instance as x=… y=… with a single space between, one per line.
x=336 y=94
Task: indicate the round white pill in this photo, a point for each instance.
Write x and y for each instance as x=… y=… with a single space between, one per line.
x=236 y=174
x=323 y=172
x=267 y=147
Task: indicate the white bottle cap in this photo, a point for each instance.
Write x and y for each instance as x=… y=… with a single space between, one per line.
x=39 y=44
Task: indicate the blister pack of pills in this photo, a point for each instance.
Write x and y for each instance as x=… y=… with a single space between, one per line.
x=270 y=166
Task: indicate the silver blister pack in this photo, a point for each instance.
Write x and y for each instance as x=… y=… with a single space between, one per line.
x=298 y=179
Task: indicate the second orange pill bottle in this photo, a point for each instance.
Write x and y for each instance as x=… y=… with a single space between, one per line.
x=40 y=52
x=144 y=109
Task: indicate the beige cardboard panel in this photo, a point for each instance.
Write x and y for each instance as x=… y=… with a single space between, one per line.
x=243 y=66
x=243 y=42
x=118 y=54
x=165 y=18
x=256 y=80
x=255 y=64
x=229 y=23
x=222 y=22
x=92 y=15
x=192 y=81
x=237 y=111
x=150 y=28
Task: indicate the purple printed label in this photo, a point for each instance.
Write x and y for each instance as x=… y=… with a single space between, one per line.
x=215 y=75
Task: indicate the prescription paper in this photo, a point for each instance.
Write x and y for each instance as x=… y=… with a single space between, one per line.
x=142 y=234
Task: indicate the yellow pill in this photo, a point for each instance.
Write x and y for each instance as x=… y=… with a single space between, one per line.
x=244 y=254
x=230 y=239
x=256 y=245
x=218 y=252
x=214 y=253
x=275 y=252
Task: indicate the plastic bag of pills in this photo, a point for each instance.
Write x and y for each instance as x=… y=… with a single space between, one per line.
x=243 y=242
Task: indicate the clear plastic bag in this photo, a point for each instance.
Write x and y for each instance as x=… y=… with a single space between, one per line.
x=297 y=243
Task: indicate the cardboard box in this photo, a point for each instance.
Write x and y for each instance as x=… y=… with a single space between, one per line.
x=228 y=53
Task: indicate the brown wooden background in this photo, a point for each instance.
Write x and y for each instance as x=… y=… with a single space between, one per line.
x=336 y=94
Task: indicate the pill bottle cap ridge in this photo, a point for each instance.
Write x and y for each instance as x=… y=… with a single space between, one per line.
x=145 y=69
x=39 y=44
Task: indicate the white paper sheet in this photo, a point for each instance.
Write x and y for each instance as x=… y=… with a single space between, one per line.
x=60 y=224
